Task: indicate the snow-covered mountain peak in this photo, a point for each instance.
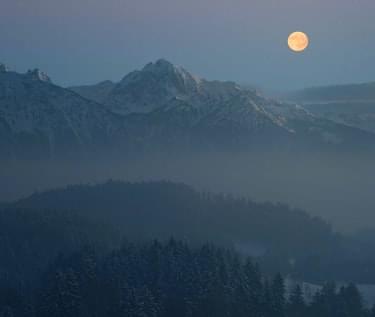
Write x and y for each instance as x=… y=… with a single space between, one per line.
x=159 y=66
x=37 y=74
x=165 y=68
x=152 y=87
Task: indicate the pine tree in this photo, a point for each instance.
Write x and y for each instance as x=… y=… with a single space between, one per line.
x=61 y=297
x=253 y=289
x=351 y=301
x=325 y=302
x=296 y=306
x=137 y=302
x=266 y=308
x=278 y=296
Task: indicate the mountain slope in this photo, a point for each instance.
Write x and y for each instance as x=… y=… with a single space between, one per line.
x=352 y=105
x=164 y=99
x=38 y=116
x=164 y=209
x=139 y=211
x=97 y=93
x=162 y=107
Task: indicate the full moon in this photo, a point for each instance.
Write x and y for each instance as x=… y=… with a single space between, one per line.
x=298 y=41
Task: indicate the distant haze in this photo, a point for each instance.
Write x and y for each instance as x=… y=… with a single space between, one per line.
x=78 y=42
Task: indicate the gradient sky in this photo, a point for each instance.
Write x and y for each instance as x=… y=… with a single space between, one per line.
x=86 y=41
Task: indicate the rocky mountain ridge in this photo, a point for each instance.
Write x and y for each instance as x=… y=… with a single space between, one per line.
x=162 y=104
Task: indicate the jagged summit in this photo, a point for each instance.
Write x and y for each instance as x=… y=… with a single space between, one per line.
x=160 y=65
x=166 y=71
x=161 y=85
x=32 y=74
x=164 y=66
x=47 y=119
x=152 y=87
x=3 y=68
x=37 y=74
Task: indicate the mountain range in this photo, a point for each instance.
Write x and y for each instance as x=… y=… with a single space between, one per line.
x=160 y=106
x=352 y=105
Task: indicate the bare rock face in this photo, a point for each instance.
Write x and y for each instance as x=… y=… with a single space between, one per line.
x=3 y=68
x=37 y=74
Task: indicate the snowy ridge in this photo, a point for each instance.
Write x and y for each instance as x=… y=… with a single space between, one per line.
x=34 y=112
x=160 y=104
x=162 y=86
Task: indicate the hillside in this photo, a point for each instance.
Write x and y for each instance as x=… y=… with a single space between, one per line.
x=143 y=211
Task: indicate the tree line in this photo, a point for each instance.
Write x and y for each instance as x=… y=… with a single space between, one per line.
x=169 y=279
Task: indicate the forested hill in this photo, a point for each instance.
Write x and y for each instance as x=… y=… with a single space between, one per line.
x=36 y=229
x=168 y=280
x=164 y=209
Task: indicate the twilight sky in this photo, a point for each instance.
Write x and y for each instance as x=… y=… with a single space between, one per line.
x=86 y=41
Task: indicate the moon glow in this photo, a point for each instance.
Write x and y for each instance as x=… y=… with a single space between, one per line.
x=298 y=41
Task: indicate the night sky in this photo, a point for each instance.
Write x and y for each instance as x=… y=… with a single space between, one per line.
x=86 y=41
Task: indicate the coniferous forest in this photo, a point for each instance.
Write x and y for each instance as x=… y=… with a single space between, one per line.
x=169 y=279
x=164 y=249
x=37 y=228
